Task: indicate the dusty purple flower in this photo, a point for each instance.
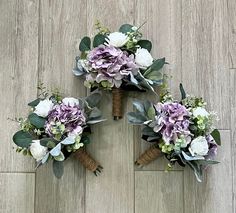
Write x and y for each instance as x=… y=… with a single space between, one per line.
x=64 y=118
x=172 y=121
x=111 y=64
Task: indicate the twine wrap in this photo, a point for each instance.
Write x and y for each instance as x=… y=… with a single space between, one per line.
x=151 y=154
x=117 y=95
x=87 y=161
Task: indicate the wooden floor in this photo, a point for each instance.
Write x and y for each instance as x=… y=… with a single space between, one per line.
x=38 y=43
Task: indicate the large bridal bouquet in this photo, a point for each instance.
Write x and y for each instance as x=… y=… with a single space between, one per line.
x=56 y=127
x=118 y=61
x=183 y=131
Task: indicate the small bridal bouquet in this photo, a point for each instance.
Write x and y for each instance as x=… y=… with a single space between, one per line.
x=118 y=61
x=183 y=131
x=58 y=127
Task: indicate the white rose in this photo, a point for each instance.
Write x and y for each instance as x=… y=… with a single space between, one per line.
x=43 y=108
x=117 y=39
x=199 y=146
x=199 y=111
x=70 y=101
x=38 y=151
x=143 y=58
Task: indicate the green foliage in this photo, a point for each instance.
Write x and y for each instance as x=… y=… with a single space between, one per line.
x=101 y=29
x=125 y=28
x=136 y=118
x=36 y=121
x=98 y=40
x=48 y=142
x=145 y=44
x=93 y=99
x=216 y=135
x=85 y=44
x=58 y=168
x=34 y=103
x=183 y=94
x=85 y=139
x=22 y=139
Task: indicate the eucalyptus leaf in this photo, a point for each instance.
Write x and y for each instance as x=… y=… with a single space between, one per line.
x=216 y=135
x=44 y=141
x=37 y=121
x=98 y=40
x=148 y=131
x=136 y=118
x=22 y=139
x=34 y=103
x=125 y=28
x=153 y=138
x=183 y=94
x=85 y=139
x=85 y=44
x=151 y=112
x=58 y=168
x=145 y=44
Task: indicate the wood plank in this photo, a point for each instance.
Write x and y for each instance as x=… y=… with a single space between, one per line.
x=17 y=192
x=205 y=54
x=163 y=28
x=157 y=191
x=233 y=131
x=215 y=194
x=18 y=76
x=113 y=190
x=232 y=33
x=61 y=25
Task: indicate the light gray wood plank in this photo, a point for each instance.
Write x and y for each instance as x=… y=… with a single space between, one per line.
x=158 y=191
x=17 y=192
x=112 y=146
x=215 y=194
x=232 y=33
x=205 y=54
x=233 y=131
x=163 y=28
x=62 y=24
x=18 y=76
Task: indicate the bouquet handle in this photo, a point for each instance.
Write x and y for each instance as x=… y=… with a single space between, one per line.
x=151 y=154
x=88 y=162
x=117 y=96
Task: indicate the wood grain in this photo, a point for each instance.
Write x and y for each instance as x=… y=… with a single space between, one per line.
x=215 y=194
x=113 y=190
x=205 y=61
x=158 y=191
x=163 y=28
x=61 y=25
x=17 y=192
x=18 y=76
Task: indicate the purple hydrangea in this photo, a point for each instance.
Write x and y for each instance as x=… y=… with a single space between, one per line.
x=172 y=121
x=111 y=64
x=71 y=117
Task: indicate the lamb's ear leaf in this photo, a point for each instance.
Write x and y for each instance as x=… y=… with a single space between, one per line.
x=136 y=118
x=216 y=135
x=139 y=106
x=93 y=99
x=125 y=28
x=22 y=139
x=146 y=44
x=58 y=168
x=85 y=44
x=98 y=40
x=196 y=169
x=183 y=94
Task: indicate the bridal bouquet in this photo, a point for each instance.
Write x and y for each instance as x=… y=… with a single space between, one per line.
x=56 y=127
x=118 y=61
x=183 y=131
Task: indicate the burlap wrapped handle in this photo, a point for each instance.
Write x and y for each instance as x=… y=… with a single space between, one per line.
x=88 y=162
x=117 y=96
x=151 y=154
